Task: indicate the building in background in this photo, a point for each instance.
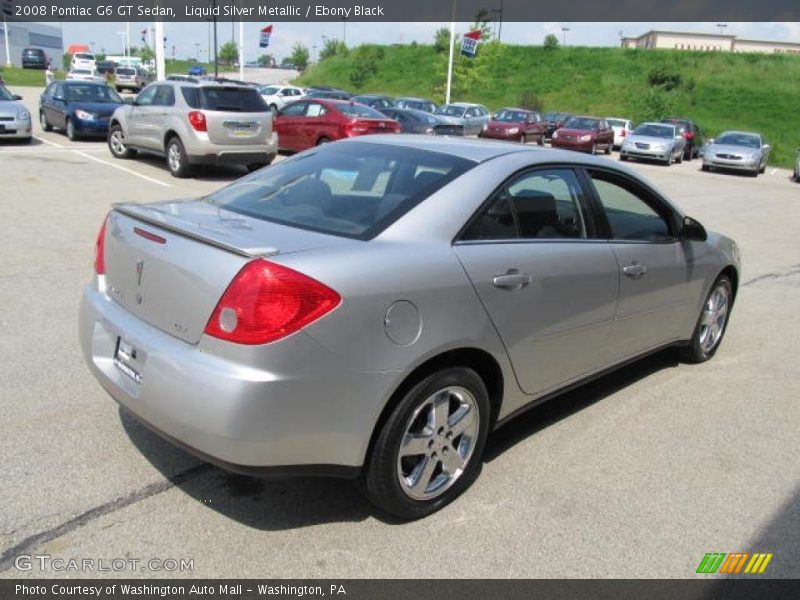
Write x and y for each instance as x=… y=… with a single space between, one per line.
x=29 y=35
x=681 y=40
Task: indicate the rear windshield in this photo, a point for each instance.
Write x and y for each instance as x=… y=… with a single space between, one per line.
x=84 y=56
x=451 y=111
x=225 y=99
x=125 y=71
x=616 y=122
x=359 y=110
x=352 y=190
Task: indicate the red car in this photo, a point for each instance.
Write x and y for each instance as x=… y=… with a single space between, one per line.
x=515 y=124
x=586 y=134
x=310 y=122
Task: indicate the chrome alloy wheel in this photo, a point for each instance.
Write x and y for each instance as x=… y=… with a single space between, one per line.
x=174 y=158
x=438 y=443
x=117 y=142
x=715 y=315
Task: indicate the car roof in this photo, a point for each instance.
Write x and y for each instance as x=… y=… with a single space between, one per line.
x=415 y=99
x=736 y=132
x=515 y=108
x=464 y=104
x=83 y=82
x=479 y=150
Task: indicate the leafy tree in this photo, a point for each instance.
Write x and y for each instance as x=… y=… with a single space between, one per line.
x=299 y=56
x=147 y=55
x=229 y=53
x=441 y=40
x=365 y=64
x=66 y=61
x=266 y=60
x=482 y=20
x=531 y=100
x=100 y=56
x=655 y=105
x=332 y=48
x=661 y=77
x=551 y=41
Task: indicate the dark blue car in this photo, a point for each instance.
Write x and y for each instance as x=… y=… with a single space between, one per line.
x=79 y=108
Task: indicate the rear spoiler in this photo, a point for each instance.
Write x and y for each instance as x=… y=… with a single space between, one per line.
x=164 y=220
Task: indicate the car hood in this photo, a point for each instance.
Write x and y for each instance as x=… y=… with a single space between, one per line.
x=10 y=108
x=731 y=149
x=505 y=125
x=648 y=139
x=576 y=132
x=104 y=109
x=451 y=120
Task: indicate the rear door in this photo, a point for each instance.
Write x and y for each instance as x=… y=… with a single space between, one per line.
x=657 y=292
x=287 y=123
x=549 y=288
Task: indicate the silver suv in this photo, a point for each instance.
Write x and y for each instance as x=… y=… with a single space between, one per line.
x=195 y=123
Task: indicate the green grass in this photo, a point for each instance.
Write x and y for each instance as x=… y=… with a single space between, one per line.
x=181 y=67
x=719 y=90
x=26 y=77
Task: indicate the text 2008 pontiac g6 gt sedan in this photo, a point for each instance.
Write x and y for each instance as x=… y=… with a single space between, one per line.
x=373 y=308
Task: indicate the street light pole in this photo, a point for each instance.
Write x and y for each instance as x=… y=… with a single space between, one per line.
x=5 y=36
x=450 y=60
x=564 y=31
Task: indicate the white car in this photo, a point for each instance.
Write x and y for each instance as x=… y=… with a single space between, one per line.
x=278 y=96
x=622 y=128
x=84 y=74
x=83 y=60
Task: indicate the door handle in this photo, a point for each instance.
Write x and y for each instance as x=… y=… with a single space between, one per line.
x=513 y=280
x=635 y=271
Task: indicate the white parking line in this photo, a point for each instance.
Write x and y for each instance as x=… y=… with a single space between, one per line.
x=104 y=162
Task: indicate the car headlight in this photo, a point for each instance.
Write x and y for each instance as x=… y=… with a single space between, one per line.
x=585 y=138
x=513 y=130
x=485 y=126
x=429 y=131
x=555 y=134
x=24 y=115
x=85 y=116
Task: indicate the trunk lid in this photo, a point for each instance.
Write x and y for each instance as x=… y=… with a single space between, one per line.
x=238 y=128
x=368 y=126
x=169 y=263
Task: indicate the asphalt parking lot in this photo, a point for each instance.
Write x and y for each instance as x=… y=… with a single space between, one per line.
x=638 y=474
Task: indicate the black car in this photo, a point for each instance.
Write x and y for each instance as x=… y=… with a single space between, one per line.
x=691 y=133
x=376 y=101
x=105 y=66
x=34 y=58
x=553 y=121
x=329 y=94
x=416 y=121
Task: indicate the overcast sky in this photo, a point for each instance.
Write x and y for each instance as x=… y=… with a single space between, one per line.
x=191 y=39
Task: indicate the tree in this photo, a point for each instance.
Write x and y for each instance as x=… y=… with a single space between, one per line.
x=441 y=40
x=551 y=41
x=147 y=55
x=365 y=64
x=482 y=20
x=266 y=60
x=229 y=53
x=299 y=56
x=332 y=48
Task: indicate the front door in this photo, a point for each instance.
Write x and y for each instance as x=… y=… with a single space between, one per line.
x=548 y=287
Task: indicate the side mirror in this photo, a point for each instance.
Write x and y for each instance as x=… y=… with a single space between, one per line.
x=129 y=100
x=766 y=147
x=16 y=97
x=693 y=231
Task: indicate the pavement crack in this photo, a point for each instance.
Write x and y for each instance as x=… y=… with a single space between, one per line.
x=793 y=270
x=37 y=539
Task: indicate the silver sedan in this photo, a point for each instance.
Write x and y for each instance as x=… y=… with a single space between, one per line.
x=737 y=151
x=373 y=308
x=15 y=119
x=654 y=141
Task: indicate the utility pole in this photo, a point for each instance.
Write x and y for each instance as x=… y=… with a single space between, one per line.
x=450 y=60
x=564 y=31
x=6 y=36
x=216 y=60
x=161 y=71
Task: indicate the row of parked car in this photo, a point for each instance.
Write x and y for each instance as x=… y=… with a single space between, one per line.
x=85 y=67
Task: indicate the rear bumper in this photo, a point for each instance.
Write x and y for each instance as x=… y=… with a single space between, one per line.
x=301 y=413
x=204 y=152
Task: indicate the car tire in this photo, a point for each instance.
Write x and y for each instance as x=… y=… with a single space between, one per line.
x=688 y=154
x=711 y=324
x=763 y=169
x=540 y=142
x=670 y=160
x=705 y=168
x=44 y=122
x=322 y=140
x=253 y=167
x=412 y=485
x=116 y=143
x=69 y=128
x=608 y=149
x=593 y=151
x=177 y=161
x=754 y=173
x=680 y=158
x=274 y=109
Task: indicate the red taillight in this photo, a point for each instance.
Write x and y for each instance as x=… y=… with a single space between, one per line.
x=688 y=134
x=100 y=250
x=266 y=302
x=623 y=133
x=198 y=121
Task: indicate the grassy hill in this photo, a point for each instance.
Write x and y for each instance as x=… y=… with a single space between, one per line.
x=719 y=90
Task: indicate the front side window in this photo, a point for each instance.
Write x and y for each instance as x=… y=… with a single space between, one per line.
x=632 y=214
x=351 y=190
x=541 y=204
x=148 y=96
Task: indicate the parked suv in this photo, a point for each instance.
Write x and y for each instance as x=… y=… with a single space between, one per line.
x=195 y=123
x=691 y=133
x=131 y=78
x=34 y=58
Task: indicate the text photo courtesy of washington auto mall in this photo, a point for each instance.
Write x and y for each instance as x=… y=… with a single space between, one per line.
x=420 y=299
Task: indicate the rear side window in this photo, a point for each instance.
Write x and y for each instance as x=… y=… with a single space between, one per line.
x=352 y=190
x=541 y=204
x=360 y=111
x=224 y=99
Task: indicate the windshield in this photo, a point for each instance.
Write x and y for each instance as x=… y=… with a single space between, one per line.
x=739 y=139
x=91 y=93
x=511 y=116
x=351 y=190
x=653 y=130
x=82 y=71
x=616 y=122
x=84 y=56
x=269 y=91
x=5 y=94
x=125 y=71
x=451 y=111
x=359 y=110
x=580 y=123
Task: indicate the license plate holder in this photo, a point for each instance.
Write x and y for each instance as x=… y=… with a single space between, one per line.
x=125 y=359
